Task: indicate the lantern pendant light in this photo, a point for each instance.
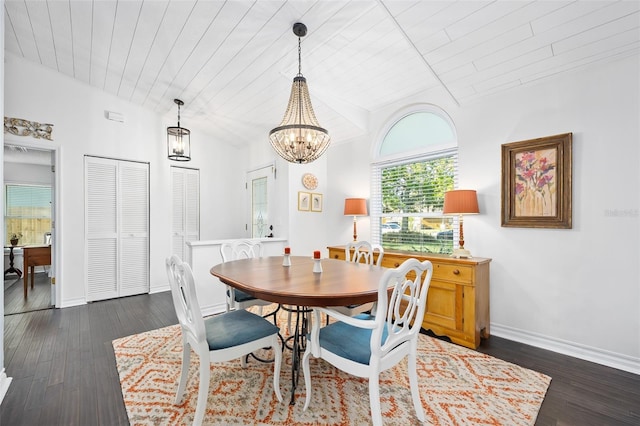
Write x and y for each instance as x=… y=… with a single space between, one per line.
x=178 y=140
x=299 y=138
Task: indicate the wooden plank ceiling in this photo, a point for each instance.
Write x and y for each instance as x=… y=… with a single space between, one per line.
x=232 y=62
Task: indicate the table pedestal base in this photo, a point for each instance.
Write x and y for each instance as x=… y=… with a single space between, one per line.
x=297 y=344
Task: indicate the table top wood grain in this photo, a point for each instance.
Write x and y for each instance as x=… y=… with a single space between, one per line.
x=340 y=283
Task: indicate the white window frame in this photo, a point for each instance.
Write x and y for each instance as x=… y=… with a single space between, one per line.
x=380 y=162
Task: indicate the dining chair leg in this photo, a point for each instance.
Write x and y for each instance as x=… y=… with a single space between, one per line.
x=307 y=376
x=203 y=390
x=277 y=359
x=184 y=373
x=374 y=399
x=413 y=381
x=243 y=360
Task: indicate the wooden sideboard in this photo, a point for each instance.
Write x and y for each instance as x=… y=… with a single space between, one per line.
x=458 y=298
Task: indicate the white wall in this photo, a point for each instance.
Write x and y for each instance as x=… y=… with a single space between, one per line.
x=575 y=290
x=80 y=128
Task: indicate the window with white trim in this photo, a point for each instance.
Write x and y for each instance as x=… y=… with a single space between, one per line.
x=417 y=163
x=27 y=213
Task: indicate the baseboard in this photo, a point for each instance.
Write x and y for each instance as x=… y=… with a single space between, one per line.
x=576 y=350
x=73 y=302
x=212 y=309
x=4 y=384
x=159 y=289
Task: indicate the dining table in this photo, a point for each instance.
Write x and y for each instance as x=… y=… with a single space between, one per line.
x=340 y=283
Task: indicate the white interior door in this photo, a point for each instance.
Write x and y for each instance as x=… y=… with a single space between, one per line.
x=185 y=219
x=116 y=228
x=178 y=236
x=133 y=235
x=101 y=228
x=260 y=201
x=192 y=205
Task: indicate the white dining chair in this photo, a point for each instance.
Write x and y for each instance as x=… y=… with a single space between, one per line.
x=361 y=252
x=235 y=250
x=366 y=345
x=219 y=338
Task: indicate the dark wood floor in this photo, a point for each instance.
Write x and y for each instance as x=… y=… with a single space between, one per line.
x=63 y=369
x=37 y=298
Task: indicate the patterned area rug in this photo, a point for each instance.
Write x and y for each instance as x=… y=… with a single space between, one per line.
x=458 y=386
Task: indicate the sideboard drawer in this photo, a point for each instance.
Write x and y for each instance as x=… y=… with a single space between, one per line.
x=393 y=260
x=457 y=273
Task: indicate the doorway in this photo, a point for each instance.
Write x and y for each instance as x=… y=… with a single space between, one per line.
x=29 y=187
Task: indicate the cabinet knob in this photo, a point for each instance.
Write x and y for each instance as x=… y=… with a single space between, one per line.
x=395 y=265
x=335 y=256
x=456 y=272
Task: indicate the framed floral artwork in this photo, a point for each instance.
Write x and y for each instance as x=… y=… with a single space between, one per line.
x=316 y=202
x=536 y=182
x=304 y=201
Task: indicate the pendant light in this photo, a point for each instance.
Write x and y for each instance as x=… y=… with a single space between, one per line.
x=178 y=140
x=299 y=138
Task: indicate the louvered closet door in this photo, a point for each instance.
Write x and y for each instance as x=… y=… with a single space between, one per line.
x=192 y=204
x=185 y=219
x=117 y=228
x=101 y=228
x=134 y=228
x=177 y=209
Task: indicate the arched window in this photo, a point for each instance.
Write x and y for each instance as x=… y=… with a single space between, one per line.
x=415 y=163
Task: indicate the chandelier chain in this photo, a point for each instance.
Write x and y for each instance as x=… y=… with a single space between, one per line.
x=299 y=57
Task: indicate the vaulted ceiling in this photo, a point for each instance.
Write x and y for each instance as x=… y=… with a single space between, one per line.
x=232 y=62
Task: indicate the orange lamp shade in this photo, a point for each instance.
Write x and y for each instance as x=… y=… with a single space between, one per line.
x=460 y=201
x=355 y=207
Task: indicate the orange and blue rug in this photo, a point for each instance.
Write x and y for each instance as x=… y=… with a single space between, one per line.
x=458 y=386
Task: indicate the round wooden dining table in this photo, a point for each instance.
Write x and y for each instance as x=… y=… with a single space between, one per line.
x=340 y=283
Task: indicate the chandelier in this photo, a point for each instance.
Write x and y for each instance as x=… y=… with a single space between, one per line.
x=299 y=137
x=178 y=140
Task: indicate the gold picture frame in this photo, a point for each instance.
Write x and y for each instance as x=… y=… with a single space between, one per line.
x=536 y=182
x=316 y=202
x=304 y=201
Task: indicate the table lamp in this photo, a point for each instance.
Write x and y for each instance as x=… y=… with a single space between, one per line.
x=355 y=207
x=460 y=202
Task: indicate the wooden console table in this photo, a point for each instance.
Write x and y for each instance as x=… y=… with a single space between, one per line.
x=458 y=298
x=34 y=256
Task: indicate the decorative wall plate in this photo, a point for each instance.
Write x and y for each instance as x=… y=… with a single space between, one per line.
x=309 y=181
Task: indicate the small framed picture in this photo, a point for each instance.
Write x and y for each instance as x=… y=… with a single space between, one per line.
x=304 y=201
x=316 y=202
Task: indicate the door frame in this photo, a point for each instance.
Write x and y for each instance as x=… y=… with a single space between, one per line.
x=56 y=223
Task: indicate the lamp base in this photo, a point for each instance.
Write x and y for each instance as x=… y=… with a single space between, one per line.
x=461 y=253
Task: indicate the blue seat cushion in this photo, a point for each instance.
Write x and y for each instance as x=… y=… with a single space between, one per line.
x=240 y=296
x=349 y=342
x=236 y=328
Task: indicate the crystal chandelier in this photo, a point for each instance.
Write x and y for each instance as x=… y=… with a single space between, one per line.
x=299 y=137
